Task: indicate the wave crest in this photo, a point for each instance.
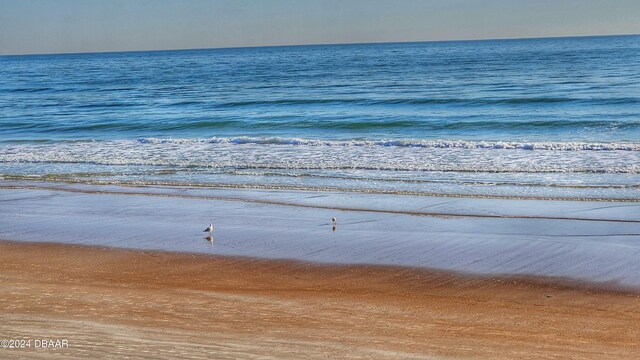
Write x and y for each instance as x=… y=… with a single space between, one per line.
x=436 y=144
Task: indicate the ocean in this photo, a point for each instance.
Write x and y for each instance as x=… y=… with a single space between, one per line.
x=555 y=118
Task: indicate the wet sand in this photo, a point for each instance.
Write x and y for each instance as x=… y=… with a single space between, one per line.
x=145 y=304
x=584 y=240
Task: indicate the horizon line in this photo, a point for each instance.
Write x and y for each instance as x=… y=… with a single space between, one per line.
x=322 y=44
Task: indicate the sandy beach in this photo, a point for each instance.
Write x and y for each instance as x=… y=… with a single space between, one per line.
x=146 y=304
x=126 y=272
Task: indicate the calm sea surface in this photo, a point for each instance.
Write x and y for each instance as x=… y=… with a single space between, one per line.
x=556 y=118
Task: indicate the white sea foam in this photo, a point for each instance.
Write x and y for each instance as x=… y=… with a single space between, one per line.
x=277 y=153
x=437 y=144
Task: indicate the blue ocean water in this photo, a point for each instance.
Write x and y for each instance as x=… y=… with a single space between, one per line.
x=532 y=118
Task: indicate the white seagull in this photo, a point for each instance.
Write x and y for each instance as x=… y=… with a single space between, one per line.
x=333 y=219
x=209 y=229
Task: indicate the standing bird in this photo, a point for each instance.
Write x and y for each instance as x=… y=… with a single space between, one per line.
x=209 y=229
x=333 y=219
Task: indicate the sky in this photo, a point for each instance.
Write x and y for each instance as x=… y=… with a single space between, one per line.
x=69 y=26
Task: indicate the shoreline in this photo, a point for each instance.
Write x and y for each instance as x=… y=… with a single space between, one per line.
x=584 y=241
x=22 y=183
x=323 y=207
x=121 y=302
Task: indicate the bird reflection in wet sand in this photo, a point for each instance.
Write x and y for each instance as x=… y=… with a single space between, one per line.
x=333 y=228
x=209 y=230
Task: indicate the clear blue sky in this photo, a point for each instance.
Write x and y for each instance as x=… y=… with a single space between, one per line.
x=59 y=26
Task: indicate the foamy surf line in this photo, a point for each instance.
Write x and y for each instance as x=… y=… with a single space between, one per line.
x=485 y=236
x=438 y=144
x=353 y=155
x=420 y=143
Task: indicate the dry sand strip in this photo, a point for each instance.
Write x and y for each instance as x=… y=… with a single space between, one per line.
x=119 y=303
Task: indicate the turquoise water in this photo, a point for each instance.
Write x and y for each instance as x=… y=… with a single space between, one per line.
x=516 y=118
